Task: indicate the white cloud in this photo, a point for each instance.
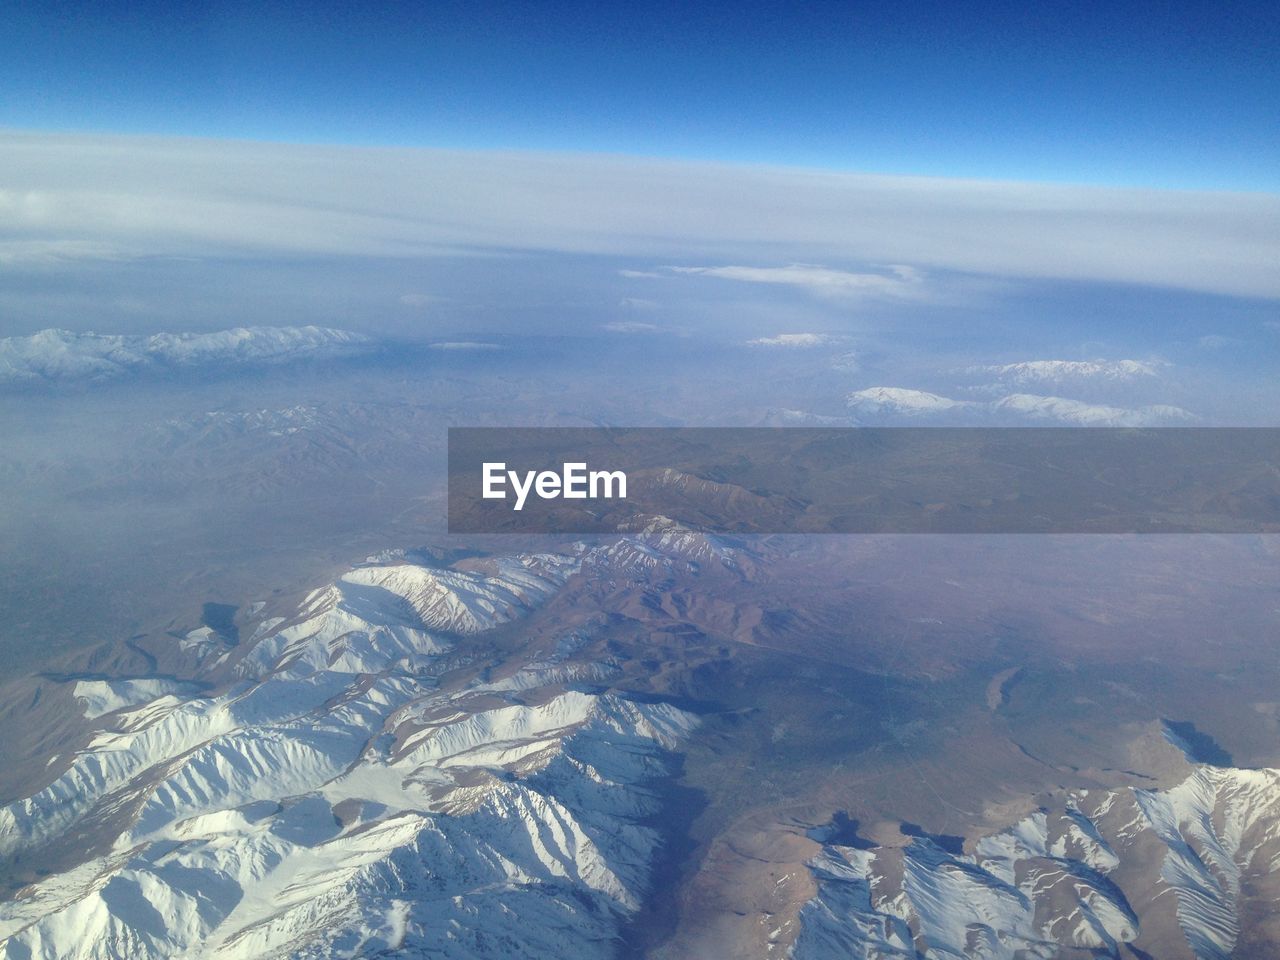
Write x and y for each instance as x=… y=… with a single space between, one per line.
x=629 y=326
x=54 y=251
x=897 y=282
x=792 y=340
x=465 y=345
x=63 y=196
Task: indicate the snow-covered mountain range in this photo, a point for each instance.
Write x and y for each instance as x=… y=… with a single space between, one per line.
x=901 y=402
x=1175 y=870
x=1062 y=371
x=59 y=355
x=419 y=760
x=356 y=784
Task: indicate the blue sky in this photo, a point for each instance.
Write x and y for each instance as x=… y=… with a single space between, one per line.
x=1128 y=94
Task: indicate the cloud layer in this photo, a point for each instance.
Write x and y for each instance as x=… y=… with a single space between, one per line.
x=898 y=282
x=68 y=198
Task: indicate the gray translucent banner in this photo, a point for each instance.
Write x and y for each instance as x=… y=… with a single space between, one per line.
x=865 y=480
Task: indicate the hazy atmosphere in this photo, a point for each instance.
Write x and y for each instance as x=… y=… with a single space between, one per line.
x=255 y=262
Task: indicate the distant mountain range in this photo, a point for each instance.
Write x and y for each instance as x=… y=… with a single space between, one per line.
x=1054 y=371
x=60 y=355
x=900 y=402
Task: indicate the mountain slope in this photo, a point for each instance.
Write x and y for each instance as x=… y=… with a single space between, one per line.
x=345 y=795
x=1164 y=870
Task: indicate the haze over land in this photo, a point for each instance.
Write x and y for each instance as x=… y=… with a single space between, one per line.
x=256 y=260
x=260 y=703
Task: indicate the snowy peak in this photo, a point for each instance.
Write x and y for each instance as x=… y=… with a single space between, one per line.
x=898 y=402
x=1077 y=413
x=1060 y=371
x=98 y=697
x=384 y=614
x=1168 y=871
x=463 y=601
x=902 y=401
x=671 y=538
x=344 y=799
